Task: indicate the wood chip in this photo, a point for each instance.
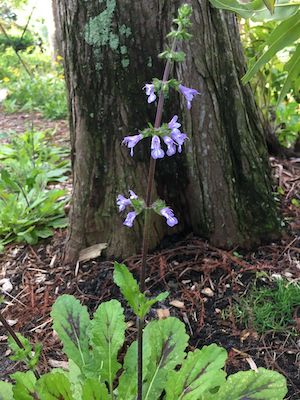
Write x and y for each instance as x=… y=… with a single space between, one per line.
x=58 y=364
x=92 y=252
x=177 y=304
x=207 y=292
x=163 y=313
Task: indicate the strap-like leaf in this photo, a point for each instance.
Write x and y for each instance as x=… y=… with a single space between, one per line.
x=167 y=340
x=54 y=386
x=251 y=385
x=94 y=390
x=6 y=391
x=293 y=73
x=107 y=337
x=283 y=35
x=259 y=10
x=201 y=371
x=72 y=323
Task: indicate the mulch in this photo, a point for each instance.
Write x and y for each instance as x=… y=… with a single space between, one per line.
x=203 y=281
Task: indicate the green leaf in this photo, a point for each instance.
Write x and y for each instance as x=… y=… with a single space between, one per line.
x=128 y=286
x=44 y=232
x=257 y=9
x=130 y=290
x=24 y=389
x=283 y=35
x=201 y=371
x=18 y=353
x=167 y=340
x=54 y=386
x=107 y=337
x=6 y=391
x=292 y=67
x=94 y=390
x=127 y=389
x=251 y=385
x=72 y=323
x=270 y=4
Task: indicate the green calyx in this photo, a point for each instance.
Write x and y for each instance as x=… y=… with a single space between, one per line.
x=162 y=131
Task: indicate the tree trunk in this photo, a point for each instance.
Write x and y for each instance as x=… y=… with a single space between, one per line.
x=220 y=188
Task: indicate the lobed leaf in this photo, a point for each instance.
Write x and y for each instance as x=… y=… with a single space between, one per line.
x=24 y=389
x=94 y=390
x=200 y=372
x=54 y=386
x=72 y=323
x=251 y=385
x=6 y=391
x=107 y=337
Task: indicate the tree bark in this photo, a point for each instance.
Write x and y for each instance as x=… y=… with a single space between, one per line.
x=220 y=187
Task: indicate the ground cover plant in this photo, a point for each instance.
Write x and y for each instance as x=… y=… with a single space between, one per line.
x=29 y=207
x=156 y=365
x=270 y=307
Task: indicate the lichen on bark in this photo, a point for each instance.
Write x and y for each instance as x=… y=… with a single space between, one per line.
x=101 y=31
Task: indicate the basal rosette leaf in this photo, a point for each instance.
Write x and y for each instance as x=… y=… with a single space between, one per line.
x=72 y=323
x=200 y=371
x=251 y=385
x=127 y=389
x=107 y=337
x=285 y=34
x=6 y=391
x=167 y=340
x=24 y=388
x=54 y=386
x=94 y=390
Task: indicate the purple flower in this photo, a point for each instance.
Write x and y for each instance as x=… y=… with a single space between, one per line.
x=179 y=138
x=173 y=124
x=156 y=150
x=131 y=141
x=169 y=215
x=188 y=94
x=150 y=92
x=170 y=144
x=129 y=219
x=122 y=202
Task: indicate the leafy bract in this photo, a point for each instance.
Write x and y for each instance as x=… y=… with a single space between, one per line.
x=200 y=371
x=130 y=290
x=72 y=323
x=6 y=391
x=252 y=385
x=24 y=389
x=167 y=340
x=54 y=386
x=107 y=337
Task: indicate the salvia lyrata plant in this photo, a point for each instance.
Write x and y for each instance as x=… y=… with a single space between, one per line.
x=156 y=365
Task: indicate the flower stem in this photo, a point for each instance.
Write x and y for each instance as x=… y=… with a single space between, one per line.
x=147 y=221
